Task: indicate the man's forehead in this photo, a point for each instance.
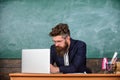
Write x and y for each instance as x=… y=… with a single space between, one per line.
x=59 y=37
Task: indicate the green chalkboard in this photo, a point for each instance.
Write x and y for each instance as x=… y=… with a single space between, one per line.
x=25 y=24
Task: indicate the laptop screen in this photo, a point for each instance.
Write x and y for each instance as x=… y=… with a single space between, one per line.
x=35 y=61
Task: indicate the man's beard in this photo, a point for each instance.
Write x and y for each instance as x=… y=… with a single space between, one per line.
x=62 y=50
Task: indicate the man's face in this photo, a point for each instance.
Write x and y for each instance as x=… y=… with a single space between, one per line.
x=60 y=44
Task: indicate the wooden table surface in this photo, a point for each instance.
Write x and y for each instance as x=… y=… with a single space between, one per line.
x=30 y=76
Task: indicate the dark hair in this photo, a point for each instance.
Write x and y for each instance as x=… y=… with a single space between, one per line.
x=60 y=29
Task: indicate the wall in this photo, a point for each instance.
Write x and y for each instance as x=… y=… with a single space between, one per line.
x=26 y=24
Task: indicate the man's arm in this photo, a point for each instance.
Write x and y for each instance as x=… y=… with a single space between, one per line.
x=53 y=68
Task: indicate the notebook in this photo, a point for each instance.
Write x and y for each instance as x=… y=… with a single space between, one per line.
x=35 y=61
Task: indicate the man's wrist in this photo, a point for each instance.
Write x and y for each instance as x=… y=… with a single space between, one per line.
x=58 y=70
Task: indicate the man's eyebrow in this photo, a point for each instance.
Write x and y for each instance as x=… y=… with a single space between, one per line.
x=57 y=40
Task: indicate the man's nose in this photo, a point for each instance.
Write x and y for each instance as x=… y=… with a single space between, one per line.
x=56 y=44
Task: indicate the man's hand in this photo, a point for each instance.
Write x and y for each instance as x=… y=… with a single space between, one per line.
x=54 y=69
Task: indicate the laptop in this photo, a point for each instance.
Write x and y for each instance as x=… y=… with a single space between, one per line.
x=35 y=61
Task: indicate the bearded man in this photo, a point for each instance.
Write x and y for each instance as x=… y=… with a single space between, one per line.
x=68 y=54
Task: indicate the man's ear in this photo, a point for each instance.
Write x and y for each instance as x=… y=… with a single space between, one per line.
x=68 y=37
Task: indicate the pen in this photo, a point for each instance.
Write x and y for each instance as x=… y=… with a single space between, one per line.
x=114 y=56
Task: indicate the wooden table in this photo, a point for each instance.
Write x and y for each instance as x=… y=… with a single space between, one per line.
x=25 y=76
